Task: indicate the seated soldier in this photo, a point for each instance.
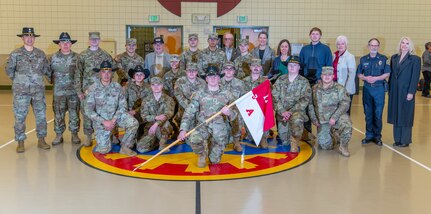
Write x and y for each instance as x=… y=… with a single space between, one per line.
x=291 y=94
x=157 y=108
x=329 y=112
x=106 y=107
x=204 y=104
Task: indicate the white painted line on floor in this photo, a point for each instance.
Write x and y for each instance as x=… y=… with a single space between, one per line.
x=400 y=153
x=11 y=141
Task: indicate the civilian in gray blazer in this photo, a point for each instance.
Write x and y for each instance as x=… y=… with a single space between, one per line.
x=150 y=59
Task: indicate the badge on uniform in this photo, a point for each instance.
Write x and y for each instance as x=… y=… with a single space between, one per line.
x=380 y=62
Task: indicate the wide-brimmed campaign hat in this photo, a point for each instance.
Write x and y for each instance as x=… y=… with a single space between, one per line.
x=137 y=69
x=28 y=31
x=213 y=70
x=64 y=36
x=105 y=65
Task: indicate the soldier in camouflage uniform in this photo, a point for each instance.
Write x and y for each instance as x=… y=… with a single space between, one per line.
x=203 y=105
x=63 y=67
x=329 y=112
x=236 y=86
x=291 y=94
x=185 y=87
x=127 y=60
x=192 y=54
x=242 y=63
x=156 y=110
x=26 y=67
x=251 y=82
x=106 y=107
x=211 y=55
x=136 y=90
x=85 y=77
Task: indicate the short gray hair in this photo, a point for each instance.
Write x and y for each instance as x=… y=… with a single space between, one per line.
x=342 y=38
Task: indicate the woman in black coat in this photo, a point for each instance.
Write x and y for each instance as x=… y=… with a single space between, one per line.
x=403 y=82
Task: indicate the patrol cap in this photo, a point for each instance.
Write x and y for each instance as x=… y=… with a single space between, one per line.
x=327 y=70
x=193 y=36
x=131 y=41
x=243 y=42
x=158 y=40
x=191 y=66
x=156 y=80
x=255 y=61
x=228 y=64
x=94 y=35
x=294 y=59
x=28 y=31
x=213 y=36
x=137 y=69
x=64 y=36
x=105 y=65
x=213 y=70
x=174 y=58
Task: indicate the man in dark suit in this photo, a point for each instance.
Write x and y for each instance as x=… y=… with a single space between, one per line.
x=231 y=52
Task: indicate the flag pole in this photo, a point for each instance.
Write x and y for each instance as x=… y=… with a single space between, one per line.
x=187 y=134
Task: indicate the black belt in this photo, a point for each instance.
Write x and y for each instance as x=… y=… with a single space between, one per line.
x=374 y=84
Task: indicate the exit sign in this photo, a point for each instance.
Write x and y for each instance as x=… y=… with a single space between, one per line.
x=153 y=18
x=242 y=19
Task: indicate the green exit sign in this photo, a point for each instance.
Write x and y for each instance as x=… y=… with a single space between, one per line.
x=242 y=19
x=153 y=18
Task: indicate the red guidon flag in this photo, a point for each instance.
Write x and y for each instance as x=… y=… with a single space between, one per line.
x=257 y=111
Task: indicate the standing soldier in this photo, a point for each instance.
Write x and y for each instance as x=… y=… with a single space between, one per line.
x=242 y=63
x=136 y=90
x=236 y=86
x=329 y=112
x=251 y=82
x=291 y=96
x=127 y=60
x=85 y=76
x=157 y=108
x=192 y=54
x=26 y=67
x=211 y=55
x=203 y=105
x=106 y=107
x=63 y=68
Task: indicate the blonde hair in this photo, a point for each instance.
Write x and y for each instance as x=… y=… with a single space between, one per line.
x=411 y=45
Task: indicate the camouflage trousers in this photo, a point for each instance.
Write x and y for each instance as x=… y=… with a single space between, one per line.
x=212 y=138
x=293 y=127
x=87 y=123
x=343 y=128
x=61 y=105
x=21 y=103
x=236 y=129
x=250 y=137
x=103 y=136
x=148 y=142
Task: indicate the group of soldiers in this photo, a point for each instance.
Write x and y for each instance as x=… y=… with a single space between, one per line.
x=166 y=96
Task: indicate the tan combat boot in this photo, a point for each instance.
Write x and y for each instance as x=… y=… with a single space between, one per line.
x=163 y=144
x=127 y=151
x=344 y=151
x=42 y=144
x=75 y=138
x=294 y=145
x=237 y=146
x=263 y=143
x=20 y=148
x=202 y=161
x=58 y=139
x=88 y=141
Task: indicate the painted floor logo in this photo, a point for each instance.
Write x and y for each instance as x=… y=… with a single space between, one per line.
x=180 y=164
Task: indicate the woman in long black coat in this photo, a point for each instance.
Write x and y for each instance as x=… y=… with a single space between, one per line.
x=403 y=82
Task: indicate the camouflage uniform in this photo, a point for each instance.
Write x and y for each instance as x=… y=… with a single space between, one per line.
x=169 y=80
x=63 y=68
x=85 y=77
x=293 y=97
x=26 y=70
x=106 y=103
x=332 y=102
x=125 y=63
x=203 y=105
x=242 y=66
x=184 y=90
x=189 y=57
x=134 y=96
x=217 y=58
x=150 y=109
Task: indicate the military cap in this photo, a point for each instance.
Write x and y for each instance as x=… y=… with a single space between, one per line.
x=158 y=40
x=255 y=61
x=94 y=35
x=64 y=36
x=294 y=59
x=327 y=70
x=213 y=36
x=137 y=69
x=243 y=42
x=192 y=66
x=105 y=65
x=193 y=35
x=131 y=41
x=213 y=70
x=156 y=80
x=28 y=31
x=174 y=57
x=228 y=64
